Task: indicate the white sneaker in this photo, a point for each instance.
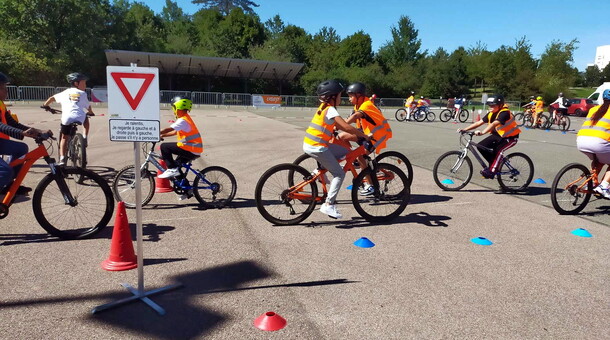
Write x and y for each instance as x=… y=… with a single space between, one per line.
x=602 y=191
x=330 y=210
x=367 y=190
x=169 y=173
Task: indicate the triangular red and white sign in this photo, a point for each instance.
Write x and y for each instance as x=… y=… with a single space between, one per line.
x=134 y=102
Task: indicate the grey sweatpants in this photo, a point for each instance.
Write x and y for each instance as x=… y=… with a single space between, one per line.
x=328 y=159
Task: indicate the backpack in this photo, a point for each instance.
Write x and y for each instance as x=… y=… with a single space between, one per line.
x=566 y=103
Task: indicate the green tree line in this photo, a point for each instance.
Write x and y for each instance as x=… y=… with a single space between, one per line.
x=42 y=40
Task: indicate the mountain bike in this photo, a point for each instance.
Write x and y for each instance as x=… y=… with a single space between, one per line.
x=401 y=114
x=447 y=114
x=69 y=203
x=213 y=187
x=453 y=170
x=572 y=188
x=528 y=120
x=76 y=154
x=562 y=121
x=423 y=113
x=287 y=194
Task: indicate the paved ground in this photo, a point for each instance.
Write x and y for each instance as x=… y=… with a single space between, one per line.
x=423 y=279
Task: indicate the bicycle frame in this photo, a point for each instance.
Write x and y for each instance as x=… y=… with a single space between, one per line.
x=580 y=188
x=472 y=147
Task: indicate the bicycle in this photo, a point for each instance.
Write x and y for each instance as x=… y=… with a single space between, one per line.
x=453 y=169
x=401 y=114
x=77 y=146
x=528 y=120
x=572 y=188
x=213 y=187
x=63 y=206
x=287 y=194
x=447 y=114
x=423 y=113
x=562 y=121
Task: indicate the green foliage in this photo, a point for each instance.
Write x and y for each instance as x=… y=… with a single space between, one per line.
x=226 y=6
x=554 y=73
x=404 y=46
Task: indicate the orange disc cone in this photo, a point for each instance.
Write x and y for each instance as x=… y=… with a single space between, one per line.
x=122 y=256
x=162 y=184
x=270 y=322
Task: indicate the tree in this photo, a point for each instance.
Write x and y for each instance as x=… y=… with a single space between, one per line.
x=437 y=77
x=555 y=74
x=225 y=6
x=404 y=46
x=181 y=33
x=605 y=74
x=355 y=50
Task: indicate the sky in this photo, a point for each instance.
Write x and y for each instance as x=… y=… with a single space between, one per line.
x=449 y=23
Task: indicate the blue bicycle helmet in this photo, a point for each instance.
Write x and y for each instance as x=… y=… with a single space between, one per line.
x=606 y=94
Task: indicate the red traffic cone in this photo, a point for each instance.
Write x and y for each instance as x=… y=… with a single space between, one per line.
x=162 y=184
x=122 y=256
x=270 y=322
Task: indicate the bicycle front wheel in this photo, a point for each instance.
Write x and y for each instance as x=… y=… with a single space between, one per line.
x=391 y=195
x=452 y=171
x=420 y=115
x=87 y=215
x=78 y=153
x=516 y=172
x=401 y=115
x=281 y=203
x=214 y=187
x=445 y=115
x=528 y=121
x=519 y=118
x=124 y=186
x=399 y=160
x=430 y=116
x=564 y=123
x=463 y=116
x=566 y=196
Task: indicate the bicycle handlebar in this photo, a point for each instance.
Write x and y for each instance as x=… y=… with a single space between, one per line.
x=50 y=109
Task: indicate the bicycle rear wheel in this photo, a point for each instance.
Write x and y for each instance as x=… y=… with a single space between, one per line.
x=463 y=116
x=89 y=214
x=306 y=161
x=78 y=153
x=567 y=199
x=275 y=199
x=452 y=171
x=445 y=115
x=214 y=187
x=124 y=186
x=401 y=115
x=399 y=160
x=516 y=172
x=391 y=196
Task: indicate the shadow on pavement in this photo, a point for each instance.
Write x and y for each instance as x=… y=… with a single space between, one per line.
x=419 y=199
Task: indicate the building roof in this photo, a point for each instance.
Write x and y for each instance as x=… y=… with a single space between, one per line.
x=206 y=66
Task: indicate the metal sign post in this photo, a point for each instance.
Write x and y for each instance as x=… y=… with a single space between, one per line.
x=133 y=100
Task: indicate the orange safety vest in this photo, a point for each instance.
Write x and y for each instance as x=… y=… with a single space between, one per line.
x=539 y=106
x=320 y=130
x=509 y=129
x=190 y=141
x=421 y=103
x=379 y=127
x=3 y=119
x=601 y=129
x=409 y=101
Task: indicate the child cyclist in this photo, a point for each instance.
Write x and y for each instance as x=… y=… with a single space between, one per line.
x=75 y=108
x=503 y=129
x=318 y=136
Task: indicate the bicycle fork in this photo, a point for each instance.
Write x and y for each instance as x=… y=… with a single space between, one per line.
x=59 y=177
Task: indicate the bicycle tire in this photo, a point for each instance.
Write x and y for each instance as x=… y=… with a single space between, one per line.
x=307 y=162
x=401 y=115
x=564 y=123
x=569 y=200
x=391 y=195
x=544 y=120
x=272 y=200
x=451 y=171
x=519 y=179
x=91 y=213
x=398 y=159
x=430 y=116
x=463 y=116
x=219 y=192
x=124 y=186
x=519 y=118
x=78 y=153
x=419 y=116
x=445 y=115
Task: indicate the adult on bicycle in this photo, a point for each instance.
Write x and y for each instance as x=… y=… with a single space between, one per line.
x=458 y=103
x=562 y=108
x=75 y=108
x=318 y=136
x=370 y=120
x=594 y=141
x=189 y=145
x=503 y=130
x=410 y=105
x=11 y=128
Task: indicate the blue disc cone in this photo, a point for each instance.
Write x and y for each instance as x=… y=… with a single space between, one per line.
x=563 y=132
x=539 y=181
x=349 y=187
x=481 y=241
x=581 y=232
x=364 y=242
x=447 y=181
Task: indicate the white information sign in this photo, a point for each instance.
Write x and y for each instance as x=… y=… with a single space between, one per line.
x=128 y=130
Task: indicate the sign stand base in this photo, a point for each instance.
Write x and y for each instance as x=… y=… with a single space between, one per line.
x=137 y=295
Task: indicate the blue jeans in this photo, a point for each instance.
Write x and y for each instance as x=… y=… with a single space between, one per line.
x=15 y=150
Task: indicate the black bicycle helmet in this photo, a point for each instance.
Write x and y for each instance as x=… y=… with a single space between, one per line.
x=4 y=79
x=356 y=88
x=329 y=88
x=75 y=77
x=496 y=99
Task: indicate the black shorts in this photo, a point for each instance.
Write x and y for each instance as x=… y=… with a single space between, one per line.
x=68 y=130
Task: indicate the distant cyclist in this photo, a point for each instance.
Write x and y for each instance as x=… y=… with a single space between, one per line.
x=458 y=103
x=538 y=109
x=562 y=105
x=10 y=128
x=75 y=108
x=594 y=141
x=503 y=130
x=410 y=104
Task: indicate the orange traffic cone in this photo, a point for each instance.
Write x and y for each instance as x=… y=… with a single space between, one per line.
x=162 y=184
x=122 y=256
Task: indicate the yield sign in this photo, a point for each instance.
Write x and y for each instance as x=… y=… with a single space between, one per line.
x=134 y=102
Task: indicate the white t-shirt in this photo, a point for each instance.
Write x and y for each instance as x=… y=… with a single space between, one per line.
x=181 y=125
x=331 y=113
x=74 y=105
